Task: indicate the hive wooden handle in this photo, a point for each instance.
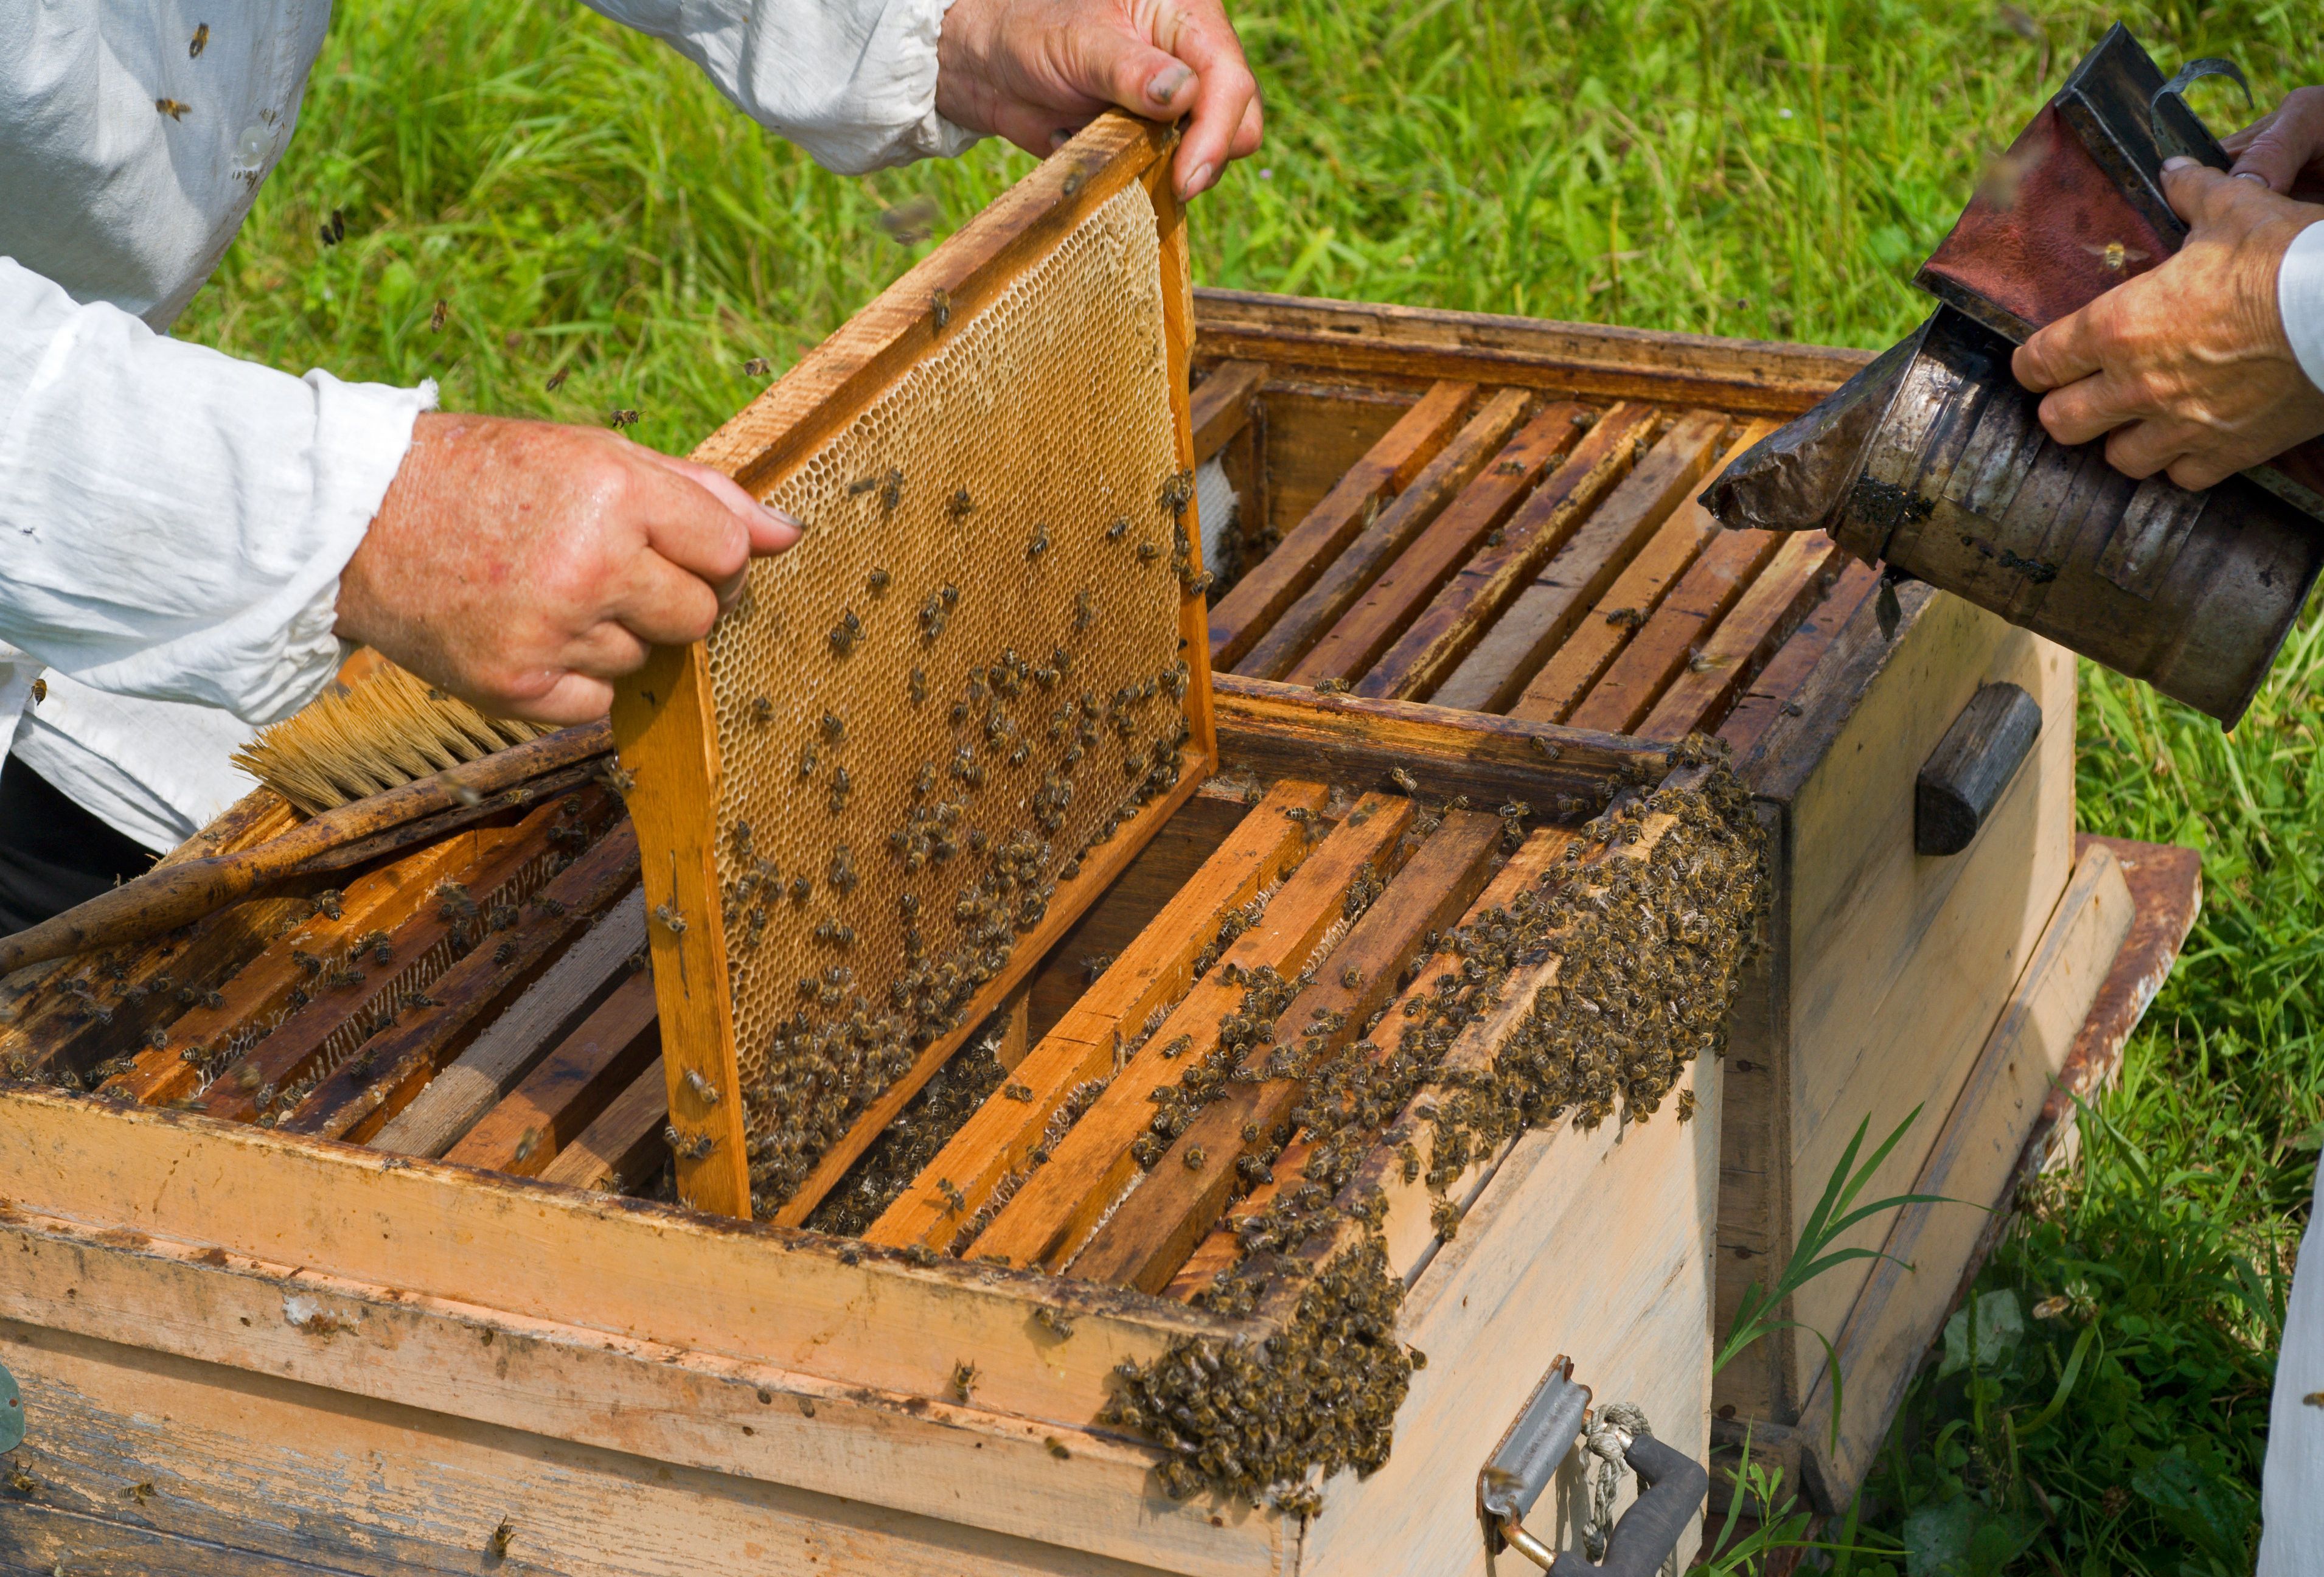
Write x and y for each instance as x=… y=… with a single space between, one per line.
x=177 y=895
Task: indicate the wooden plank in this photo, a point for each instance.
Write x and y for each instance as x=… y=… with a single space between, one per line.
x=1376 y=546
x=576 y=1082
x=274 y=983
x=797 y=1300
x=1356 y=339
x=1467 y=605
x=1274 y=729
x=1352 y=645
x=1100 y=865
x=1052 y=1215
x=1780 y=682
x=182 y=1368
x=547 y=1011
x=352 y=991
x=1591 y=1244
x=1150 y=1235
x=1177 y=284
x=1310 y=435
x=1222 y=405
x=1260 y=598
x=1910 y=1290
x=1165 y=865
x=1221 y=1249
x=1632 y=603
x=1578 y=573
x=1672 y=637
x=1155 y=969
x=1735 y=652
x=395 y=1064
x=625 y=1145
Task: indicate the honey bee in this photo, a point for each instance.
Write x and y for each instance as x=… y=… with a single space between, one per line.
x=1038 y=544
x=960 y=506
x=335 y=229
x=2116 y=256
x=834 y=728
x=556 y=380
x=877 y=581
x=669 y=919
x=704 y=1090
x=200 y=41
x=1148 y=552
x=846 y=633
x=757 y=367
x=1056 y=1448
x=891 y=490
x=1332 y=687
x=172 y=108
x=39 y=691
x=940 y=307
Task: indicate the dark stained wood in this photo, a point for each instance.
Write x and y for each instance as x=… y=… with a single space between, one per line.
x=1494 y=674
x=419 y=948
x=1407 y=343
x=394 y=1066
x=1222 y=403
x=1280 y=730
x=1053 y=1214
x=1732 y=656
x=570 y=1087
x=1150 y=1235
x=1377 y=546
x=1464 y=608
x=1351 y=647
x=1260 y=598
x=1161 y=869
x=1308 y=434
x=1971 y=765
x=1791 y=666
x=1713 y=586
x=625 y=1145
x=1628 y=603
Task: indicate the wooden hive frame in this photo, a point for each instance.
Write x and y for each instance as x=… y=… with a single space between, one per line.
x=665 y=719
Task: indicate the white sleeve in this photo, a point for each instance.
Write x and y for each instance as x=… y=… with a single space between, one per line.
x=853 y=82
x=173 y=521
x=2300 y=299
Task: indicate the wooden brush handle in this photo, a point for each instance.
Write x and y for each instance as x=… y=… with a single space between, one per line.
x=176 y=895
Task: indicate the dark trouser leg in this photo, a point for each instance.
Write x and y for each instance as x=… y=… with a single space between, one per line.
x=53 y=854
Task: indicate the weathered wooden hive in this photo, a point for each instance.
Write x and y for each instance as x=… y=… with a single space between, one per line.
x=1344 y=1060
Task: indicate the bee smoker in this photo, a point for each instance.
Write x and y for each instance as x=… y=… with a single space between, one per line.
x=1932 y=459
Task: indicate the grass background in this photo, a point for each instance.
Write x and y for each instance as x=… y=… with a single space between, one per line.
x=582 y=203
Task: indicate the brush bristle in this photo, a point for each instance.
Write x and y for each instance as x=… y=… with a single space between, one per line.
x=386 y=731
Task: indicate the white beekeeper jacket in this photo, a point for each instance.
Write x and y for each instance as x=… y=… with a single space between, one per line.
x=173 y=520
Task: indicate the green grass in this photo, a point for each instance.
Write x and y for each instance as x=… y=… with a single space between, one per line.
x=583 y=204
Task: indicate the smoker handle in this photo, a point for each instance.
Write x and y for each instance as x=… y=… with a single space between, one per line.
x=1643 y=1540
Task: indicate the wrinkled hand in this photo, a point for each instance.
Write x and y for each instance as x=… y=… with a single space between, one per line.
x=1036 y=71
x=2283 y=145
x=524 y=565
x=2186 y=366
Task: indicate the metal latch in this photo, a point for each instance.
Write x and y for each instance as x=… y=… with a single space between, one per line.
x=1528 y=1457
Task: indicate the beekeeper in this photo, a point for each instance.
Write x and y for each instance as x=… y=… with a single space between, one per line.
x=2211 y=361
x=190 y=543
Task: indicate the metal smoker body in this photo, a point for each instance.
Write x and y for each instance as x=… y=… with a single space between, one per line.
x=1932 y=460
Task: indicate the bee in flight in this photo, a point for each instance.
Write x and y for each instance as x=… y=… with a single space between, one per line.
x=2116 y=256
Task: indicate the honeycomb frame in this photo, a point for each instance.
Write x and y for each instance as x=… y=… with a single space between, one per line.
x=1053 y=521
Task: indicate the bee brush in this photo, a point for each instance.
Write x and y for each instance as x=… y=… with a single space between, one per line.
x=364 y=763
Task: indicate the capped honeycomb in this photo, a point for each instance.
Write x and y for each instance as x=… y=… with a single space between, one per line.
x=965 y=673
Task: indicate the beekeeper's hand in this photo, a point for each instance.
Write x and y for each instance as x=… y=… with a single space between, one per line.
x=525 y=566
x=1036 y=71
x=2187 y=368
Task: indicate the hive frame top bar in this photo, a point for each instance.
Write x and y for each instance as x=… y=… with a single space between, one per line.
x=665 y=716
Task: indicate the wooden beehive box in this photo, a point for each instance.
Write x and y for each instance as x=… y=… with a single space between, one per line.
x=355 y=1228
x=1488 y=524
